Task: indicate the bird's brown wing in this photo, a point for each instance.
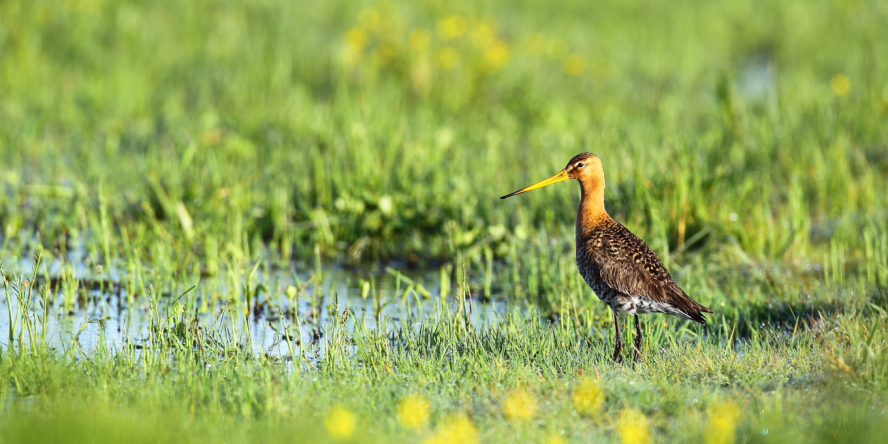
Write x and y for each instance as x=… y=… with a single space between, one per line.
x=628 y=265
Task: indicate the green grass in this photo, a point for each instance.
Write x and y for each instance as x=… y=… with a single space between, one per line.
x=151 y=147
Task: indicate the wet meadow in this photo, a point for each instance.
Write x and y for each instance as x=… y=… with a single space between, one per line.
x=274 y=221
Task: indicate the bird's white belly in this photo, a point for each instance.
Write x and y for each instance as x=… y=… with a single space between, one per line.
x=638 y=305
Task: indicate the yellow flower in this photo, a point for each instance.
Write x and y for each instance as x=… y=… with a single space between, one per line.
x=484 y=33
x=448 y=58
x=421 y=74
x=419 y=39
x=722 y=424
x=356 y=39
x=556 y=439
x=413 y=412
x=841 y=85
x=557 y=48
x=340 y=423
x=519 y=405
x=452 y=27
x=386 y=53
x=588 y=397
x=369 y=18
x=497 y=55
x=634 y=427
x=574 y=65
x=455 y=430
x=535 y=44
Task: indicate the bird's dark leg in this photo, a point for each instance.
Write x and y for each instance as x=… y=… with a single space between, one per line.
x=619 y=345
x=637 y=338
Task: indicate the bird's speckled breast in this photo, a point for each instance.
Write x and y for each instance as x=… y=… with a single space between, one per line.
x=590 y=271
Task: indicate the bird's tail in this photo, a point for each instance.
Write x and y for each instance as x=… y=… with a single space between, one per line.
x=689 y=308
x=696 y=314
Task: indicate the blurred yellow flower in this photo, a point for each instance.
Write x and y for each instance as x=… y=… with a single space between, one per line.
x=841 y=85
x=634 y=427
x=421 y=74
x=497 y=55
x=452 y=27
x=448 y=58
x=340 y=423
x=455 y=430
x=413 y=412
x=722 y=424
x=574 y=65
x=535 y=44
x=419 y=39
x=369 y=18
x=588 y=397
x=386 y=53
x=557 y=48
x=356 y=39
x=484 y=33
x=555 y=439
x=519 y=405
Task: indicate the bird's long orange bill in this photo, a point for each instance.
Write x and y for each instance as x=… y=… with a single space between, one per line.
x=554 y=179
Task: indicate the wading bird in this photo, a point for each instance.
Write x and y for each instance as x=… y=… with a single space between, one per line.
x=621 y=269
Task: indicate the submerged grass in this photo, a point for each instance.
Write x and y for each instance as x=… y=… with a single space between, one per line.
x=178 y=155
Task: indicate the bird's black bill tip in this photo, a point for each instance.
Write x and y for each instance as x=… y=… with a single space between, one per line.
x=512 y=194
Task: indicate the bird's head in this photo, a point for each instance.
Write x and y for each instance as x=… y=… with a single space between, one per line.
x=585 y=167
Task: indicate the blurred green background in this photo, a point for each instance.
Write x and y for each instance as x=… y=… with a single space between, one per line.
x=389 y=129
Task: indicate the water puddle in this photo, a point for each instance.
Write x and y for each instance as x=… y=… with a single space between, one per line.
x=253 y=307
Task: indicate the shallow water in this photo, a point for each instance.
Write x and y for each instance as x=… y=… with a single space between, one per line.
x=111 y=319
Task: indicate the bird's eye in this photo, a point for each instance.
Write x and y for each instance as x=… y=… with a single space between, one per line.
x=580 y=165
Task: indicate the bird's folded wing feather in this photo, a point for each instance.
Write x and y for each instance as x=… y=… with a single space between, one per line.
x=628 y=265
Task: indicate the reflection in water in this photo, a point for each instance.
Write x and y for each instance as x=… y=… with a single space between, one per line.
x=104 y=315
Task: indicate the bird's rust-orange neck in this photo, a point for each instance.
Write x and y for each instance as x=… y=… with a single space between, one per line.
x=591 y=212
